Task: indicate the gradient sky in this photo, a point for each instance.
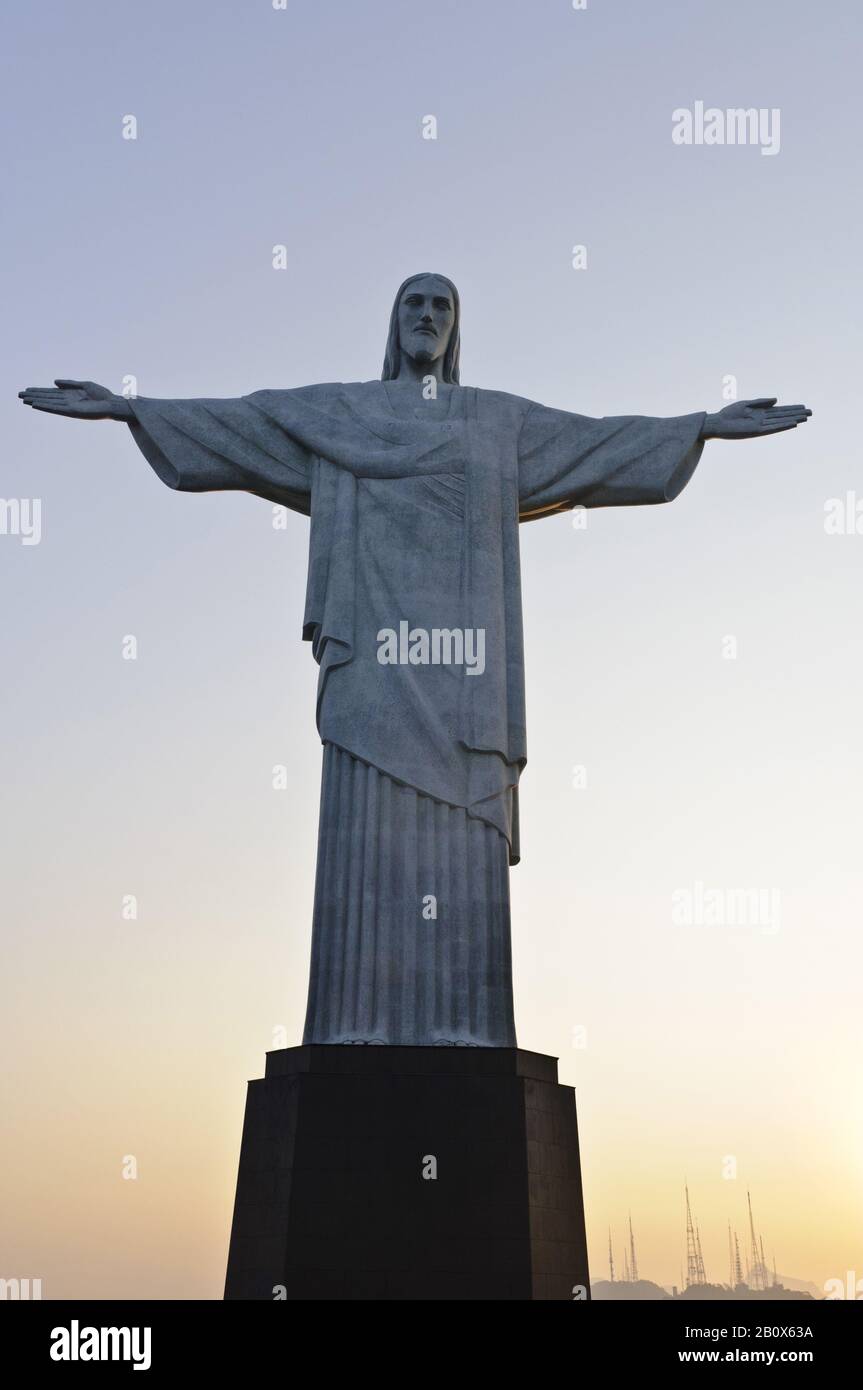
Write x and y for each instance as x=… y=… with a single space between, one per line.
x=152 y=777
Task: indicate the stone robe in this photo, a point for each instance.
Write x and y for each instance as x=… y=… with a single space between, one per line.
x=414 y=519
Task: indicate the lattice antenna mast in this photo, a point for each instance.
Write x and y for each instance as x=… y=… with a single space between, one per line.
x=691 y=1247
x=738 y=1271
x=610 y=1257
x=702 y=1277
x=633 y=1263
x=755 y=1263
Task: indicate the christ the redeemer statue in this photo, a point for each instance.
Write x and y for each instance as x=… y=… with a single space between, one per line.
x=415 y=486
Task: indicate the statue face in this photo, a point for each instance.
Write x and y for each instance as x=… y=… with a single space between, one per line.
x=426 y=317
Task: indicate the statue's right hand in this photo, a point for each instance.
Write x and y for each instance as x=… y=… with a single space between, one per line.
x=82 y=400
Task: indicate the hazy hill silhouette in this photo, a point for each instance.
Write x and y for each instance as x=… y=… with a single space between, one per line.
x=603 y=1289
x=620 y=1291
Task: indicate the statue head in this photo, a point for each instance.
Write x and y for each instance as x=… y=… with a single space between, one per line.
x=424 y=324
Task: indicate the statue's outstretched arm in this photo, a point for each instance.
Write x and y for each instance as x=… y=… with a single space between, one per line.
x=568 y=460
x=195 y=445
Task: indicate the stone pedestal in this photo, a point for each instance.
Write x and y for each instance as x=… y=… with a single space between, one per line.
x=408 y=1173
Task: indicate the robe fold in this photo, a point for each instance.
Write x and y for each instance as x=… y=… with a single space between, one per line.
x=415 y=520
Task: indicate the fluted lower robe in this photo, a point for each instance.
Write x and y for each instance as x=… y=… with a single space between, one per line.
x=417 y=520
x=411 y=928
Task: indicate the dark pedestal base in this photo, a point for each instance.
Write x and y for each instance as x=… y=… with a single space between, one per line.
x=332 y=1201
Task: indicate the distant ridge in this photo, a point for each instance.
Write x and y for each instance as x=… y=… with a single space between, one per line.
x=603 y=1290
x=624 y=1291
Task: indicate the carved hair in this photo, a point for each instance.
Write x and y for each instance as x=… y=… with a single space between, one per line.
x=451 y=356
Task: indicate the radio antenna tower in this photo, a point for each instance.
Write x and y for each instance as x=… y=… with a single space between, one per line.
x=702 y=1277
x=610 y=1257
x=633 y=1263
x=756 y=1271
x=692 y=1257
x=738 y=1272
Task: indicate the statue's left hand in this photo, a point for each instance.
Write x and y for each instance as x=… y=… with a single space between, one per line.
x=82 y=400
x=750 y=419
